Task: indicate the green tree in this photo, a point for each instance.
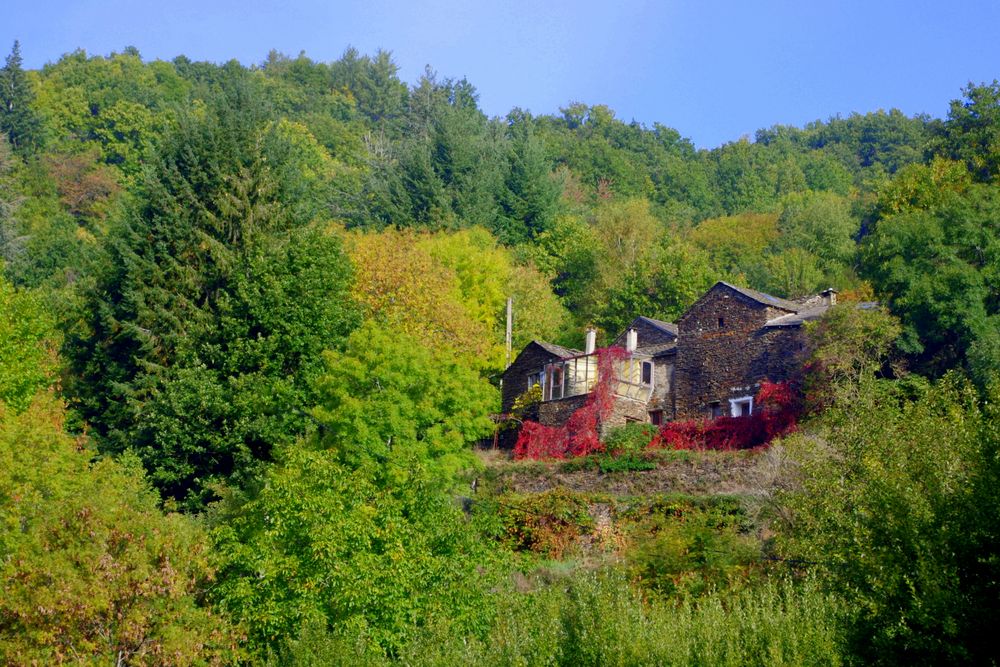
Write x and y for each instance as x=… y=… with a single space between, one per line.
x=17 y=117
x=663 y=285
x=849 y=345
x=530 y=197
x=897 y=508
x=939 y=271
x=819 y=222
x=9 y=203
x=391 y=405
x=322 y=546
x=972 y=132
x=28 y=345
x=356 y=531
x=212 y=305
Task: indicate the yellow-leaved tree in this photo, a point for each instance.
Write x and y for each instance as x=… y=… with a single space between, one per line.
x=449 y=289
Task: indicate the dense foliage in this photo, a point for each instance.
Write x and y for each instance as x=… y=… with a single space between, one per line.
x=273 y=298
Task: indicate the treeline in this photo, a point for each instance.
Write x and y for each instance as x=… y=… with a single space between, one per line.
x=271 y=299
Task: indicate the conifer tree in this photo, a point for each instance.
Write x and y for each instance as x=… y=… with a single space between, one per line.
x=17 y=119
x=214 y=301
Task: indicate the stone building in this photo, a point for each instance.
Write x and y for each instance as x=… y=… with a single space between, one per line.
x=710 y=363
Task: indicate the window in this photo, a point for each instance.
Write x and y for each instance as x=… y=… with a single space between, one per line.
x=656 y=417
x=535 y=378
x=741 y=407
x=722 y=323
x=716 y=408
x=556 y=381
x=647 y=372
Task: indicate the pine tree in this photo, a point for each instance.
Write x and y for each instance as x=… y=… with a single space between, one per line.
x=215 y=300
x=17 y=119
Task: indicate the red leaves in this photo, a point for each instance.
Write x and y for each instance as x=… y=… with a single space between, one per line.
x=579 y=435
x=778 y=406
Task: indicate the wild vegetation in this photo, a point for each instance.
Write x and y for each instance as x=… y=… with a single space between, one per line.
x=252 y=323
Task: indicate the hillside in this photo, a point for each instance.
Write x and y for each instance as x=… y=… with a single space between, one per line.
x=252 y=326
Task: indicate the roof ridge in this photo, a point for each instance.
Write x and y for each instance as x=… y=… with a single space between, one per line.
x=764 y=297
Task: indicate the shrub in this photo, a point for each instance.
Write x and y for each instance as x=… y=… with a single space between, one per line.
x=690 y=546
x=545 y=523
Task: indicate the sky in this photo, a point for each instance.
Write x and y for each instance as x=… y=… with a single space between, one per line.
x=714 y=70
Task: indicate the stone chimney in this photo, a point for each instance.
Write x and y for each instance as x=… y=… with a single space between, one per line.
x=829 y=296
x=631 y=340
x=591 y=341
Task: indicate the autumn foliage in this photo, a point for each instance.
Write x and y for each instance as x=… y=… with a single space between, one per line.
x=579 y=436
x=779 y=409
x=778 y=402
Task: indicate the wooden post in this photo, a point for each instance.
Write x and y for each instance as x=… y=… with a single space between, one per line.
x=510 y=327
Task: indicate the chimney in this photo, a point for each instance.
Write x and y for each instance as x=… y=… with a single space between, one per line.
x=591 y=341
x=631 y=340
x=829 y=296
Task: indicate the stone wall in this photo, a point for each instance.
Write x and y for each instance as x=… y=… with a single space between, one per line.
x=724 y=352
x=555 y=413
x=624 y=411
x=663 y=380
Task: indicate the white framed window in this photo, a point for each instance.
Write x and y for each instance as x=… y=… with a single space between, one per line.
x=741 y=407
x=536 y=378
x=647 y=372
x=555 y=385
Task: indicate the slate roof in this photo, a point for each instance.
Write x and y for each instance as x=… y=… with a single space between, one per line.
x=796 y=319
x=765 y=299
x=558 y=350
x=661 y=350
x=666 y=327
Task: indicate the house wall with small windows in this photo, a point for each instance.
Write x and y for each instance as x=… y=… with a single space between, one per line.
x=710 y=364
x=724 y=352
x=661 y=403
x=529 y=362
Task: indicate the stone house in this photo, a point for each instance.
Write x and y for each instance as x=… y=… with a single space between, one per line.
x=710 y=363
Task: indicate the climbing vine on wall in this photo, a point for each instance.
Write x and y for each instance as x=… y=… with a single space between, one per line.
x=579 y=435
x=780 y=406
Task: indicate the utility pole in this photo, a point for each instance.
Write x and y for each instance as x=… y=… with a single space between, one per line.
x=510 y=327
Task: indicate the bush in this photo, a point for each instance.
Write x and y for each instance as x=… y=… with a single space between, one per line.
x=689 y=546
x=898 y=506
x=545 y=523
x=780 y=408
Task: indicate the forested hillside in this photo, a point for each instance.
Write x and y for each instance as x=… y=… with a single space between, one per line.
x=252 y=324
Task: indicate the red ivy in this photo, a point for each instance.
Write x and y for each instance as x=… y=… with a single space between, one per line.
x=778 y=407
x=778 y=404
x=579 y=435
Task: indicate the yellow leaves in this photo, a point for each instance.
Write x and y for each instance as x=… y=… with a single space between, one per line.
x=626 y=232
x=749 y=232
x=449 y=290
x=399 y=283
x=920 y=186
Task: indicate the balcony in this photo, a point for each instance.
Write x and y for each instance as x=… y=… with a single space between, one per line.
x=577 y=376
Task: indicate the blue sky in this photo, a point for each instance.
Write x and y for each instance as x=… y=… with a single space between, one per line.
x=714 y=70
